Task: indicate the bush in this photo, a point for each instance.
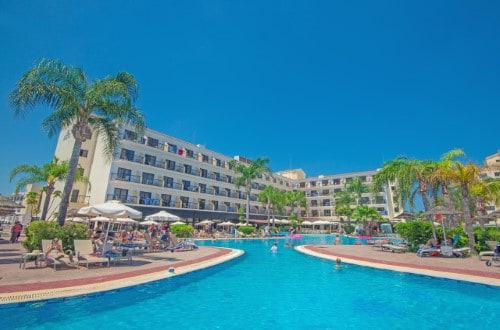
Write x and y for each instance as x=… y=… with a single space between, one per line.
x=415 y=232
x=348 y=229
x=182 y=231
x=39 y=230
x=247 y=230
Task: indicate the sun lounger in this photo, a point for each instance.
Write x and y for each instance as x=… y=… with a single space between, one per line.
x=49 y=261
x=187 y=245
x=394 y=248
x=84 y=251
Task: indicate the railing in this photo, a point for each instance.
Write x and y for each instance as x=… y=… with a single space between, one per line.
x=80 y=199
x=123 y=199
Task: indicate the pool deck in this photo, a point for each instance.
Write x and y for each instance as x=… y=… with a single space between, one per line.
x=33 y=283
x=19 y=285
x=469 y=269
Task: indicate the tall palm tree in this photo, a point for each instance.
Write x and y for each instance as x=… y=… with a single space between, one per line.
x=33 y=202
x=49 y=173
x=248 y=173
x=466 y=176
x=101 y=106
x=366 y=215
x=343 y=201
x=274 y=199
x=357 y=188
x=295 y=199
x=443 y=174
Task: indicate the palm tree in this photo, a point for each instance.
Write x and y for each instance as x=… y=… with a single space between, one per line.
x=295 y=199
x=249 y=173
x=466 y=176
x=357 y=188
x=343 y=201
x=33 y=202
x=366 y=215
x=101 y=106
x=49 y=173
x=274 y=199
x=443 y=174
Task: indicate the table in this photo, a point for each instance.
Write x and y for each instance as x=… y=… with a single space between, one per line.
x=38 y=256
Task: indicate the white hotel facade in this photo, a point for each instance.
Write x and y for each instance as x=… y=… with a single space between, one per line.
x=156 y=171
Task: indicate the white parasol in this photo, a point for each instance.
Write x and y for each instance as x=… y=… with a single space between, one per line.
x=163 y=216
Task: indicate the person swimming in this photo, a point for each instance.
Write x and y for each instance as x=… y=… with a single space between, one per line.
x=274 y=248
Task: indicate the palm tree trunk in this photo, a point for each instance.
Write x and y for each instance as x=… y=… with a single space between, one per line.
x=469 y=230
x=68 y=186
x=46 y=202
x=248 y=205
x=427 y=206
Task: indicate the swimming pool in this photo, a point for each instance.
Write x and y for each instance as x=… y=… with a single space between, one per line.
x=262 y=290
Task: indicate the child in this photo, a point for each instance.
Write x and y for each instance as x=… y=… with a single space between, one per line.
x=274 y=248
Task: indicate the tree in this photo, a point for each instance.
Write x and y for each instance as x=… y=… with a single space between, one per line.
x=357 y=188
x=33 y=202
x=366 y=215
x=101 y=106
x=49 y=173
x=343 y=201
x=274 y=199
x=249 y=173
x=295 y=199
x=466 y=176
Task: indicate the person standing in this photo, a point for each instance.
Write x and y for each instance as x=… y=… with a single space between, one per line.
x=274 y=248
x=16 y=232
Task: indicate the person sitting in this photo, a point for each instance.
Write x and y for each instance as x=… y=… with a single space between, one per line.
x=54 y=251
x=432 y=243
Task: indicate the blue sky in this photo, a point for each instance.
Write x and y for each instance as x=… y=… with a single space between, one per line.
x=327 y=86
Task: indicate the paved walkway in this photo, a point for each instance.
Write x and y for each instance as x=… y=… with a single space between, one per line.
x=32 y=283
x=469 y=269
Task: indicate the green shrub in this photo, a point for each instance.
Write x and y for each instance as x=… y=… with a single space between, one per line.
x=71 y=231
x=348 y=229
x=247 y=230
x=414 y=232
x=39 y=230
x=183 y=231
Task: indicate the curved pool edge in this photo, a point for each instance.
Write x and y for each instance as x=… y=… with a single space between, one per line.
x=109 y=283
x=312 y=250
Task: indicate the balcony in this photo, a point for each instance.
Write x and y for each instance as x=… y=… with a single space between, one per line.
x=123 y=199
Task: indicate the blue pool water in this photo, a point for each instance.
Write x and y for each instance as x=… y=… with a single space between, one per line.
x=261 y=290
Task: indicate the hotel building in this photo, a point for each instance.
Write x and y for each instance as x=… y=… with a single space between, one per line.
x=156 y=171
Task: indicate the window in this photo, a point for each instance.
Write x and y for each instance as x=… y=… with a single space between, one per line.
x=170 y=165
x=314 y=203
x=84 y=153
x=324 y=182
x=123 y=174
x=204 y=173
x=148 y=178
x=74 y=196
x=203 y=188
x=127 y=154
x=188 y=169
x=217 y=176
x=327 y=213
x=153 y=142
x=186 y=184
x=172 y=148
x=185 y=202
x=216 y=190
x=166 y=199
x=216 y=205
x=336 y=181
x=220 y=163
x=204 y=158
x=150 y=160
x=189 y=153
x=325 y=202
x=145 y=197
x=120 y=194
x=201 y=204
x=168 y=182
x=129 y=135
